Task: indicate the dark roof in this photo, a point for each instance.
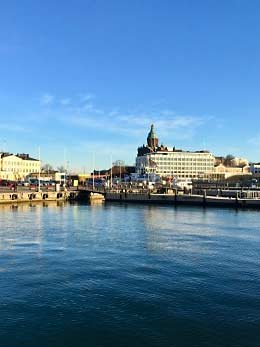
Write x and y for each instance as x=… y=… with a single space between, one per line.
x=5 y=154
x=25 y=156
x=21 y=156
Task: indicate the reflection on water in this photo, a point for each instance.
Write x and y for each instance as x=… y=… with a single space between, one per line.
x=128 y=275
x=18 y=227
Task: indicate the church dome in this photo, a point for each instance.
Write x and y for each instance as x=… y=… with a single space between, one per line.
x=152 y=134
x=152 y=139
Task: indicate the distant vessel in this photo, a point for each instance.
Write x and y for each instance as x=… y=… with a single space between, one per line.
x=183 y=184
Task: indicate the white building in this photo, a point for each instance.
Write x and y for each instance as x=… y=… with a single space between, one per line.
x=17 y=167
x=171 y=162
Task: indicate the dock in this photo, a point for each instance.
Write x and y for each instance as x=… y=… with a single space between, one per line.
x=183 y=199
x=29 y=196
x=88 y=194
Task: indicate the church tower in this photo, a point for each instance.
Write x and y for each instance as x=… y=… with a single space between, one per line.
x=152 y=139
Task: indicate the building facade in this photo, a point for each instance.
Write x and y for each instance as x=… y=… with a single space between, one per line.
x=17 y=166
x=255 y=169
x=222 y=172
x=172 y=162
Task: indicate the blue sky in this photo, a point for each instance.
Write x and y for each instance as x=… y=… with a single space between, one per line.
x=91 y=76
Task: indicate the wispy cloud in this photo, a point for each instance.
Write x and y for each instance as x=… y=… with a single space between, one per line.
x=11 y=127
x=255 y=141
x=65 y=101
x=47 y=99
x=87 y=97
x=133 y=125
x=163 y=121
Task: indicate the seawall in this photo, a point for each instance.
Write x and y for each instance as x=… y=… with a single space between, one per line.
x=183 y=199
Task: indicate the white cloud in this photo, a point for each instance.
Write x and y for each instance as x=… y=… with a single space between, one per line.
x=65 y=101
x=88 y=107
x=255 y=141
x=137 y=125
x=161 y=121
x=169 y=125
x=47 y=99
x=13 y=127
x=87 y=97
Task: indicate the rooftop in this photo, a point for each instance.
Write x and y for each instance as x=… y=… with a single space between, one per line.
x=23 y=156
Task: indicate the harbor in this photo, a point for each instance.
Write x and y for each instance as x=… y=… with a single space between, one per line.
x=161 y=175
x=228 y=198
x=211 y=198
x=129 y=174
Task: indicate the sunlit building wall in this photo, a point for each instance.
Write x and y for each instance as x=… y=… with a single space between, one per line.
x=17 y=167
x=167 y=162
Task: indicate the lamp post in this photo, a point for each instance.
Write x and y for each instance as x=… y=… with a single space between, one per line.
x=39 y=176
x=111 y=173
x=93 y=176
x=65 y=165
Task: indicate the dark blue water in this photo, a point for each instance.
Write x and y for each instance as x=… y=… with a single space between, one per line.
x=129 y=275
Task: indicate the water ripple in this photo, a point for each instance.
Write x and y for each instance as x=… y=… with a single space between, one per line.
x=126 y=275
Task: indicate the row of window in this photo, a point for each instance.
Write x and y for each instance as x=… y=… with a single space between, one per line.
x=183 y=159
x=20 y=170
x=179 y=171
x=185 y=165
x=180 y=175
x=19 y=163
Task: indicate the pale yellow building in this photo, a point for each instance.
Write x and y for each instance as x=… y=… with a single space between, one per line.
x=17 y=166
x=222 y=172
x=239 y=162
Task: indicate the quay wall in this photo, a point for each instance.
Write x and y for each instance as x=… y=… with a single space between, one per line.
x=28 y=196
x=183 y=199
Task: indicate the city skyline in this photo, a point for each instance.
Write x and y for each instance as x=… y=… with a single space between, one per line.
x=94 y=76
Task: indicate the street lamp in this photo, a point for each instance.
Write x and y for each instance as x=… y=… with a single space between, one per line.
x=39 y=176
x=93 y=175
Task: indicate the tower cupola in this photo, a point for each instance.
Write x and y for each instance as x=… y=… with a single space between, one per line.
x=152 y=139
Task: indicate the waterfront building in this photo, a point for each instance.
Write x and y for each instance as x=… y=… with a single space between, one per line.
x=239 y=162
x=255 y=169
x=230 y=161
x=172 y=162
x=17 y=166
x=222 y=172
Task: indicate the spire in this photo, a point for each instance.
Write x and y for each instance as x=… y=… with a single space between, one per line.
x=152 y=139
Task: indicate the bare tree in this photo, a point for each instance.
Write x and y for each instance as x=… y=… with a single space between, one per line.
x=47 y=167
x=61 y=168
x=228 y=160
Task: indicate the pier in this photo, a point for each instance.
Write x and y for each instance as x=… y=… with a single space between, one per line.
x=183 y=199
x=98 y=194
x=28 y=196
x=246 y=199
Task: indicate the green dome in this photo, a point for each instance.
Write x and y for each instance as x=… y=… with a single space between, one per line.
x=152 y=134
